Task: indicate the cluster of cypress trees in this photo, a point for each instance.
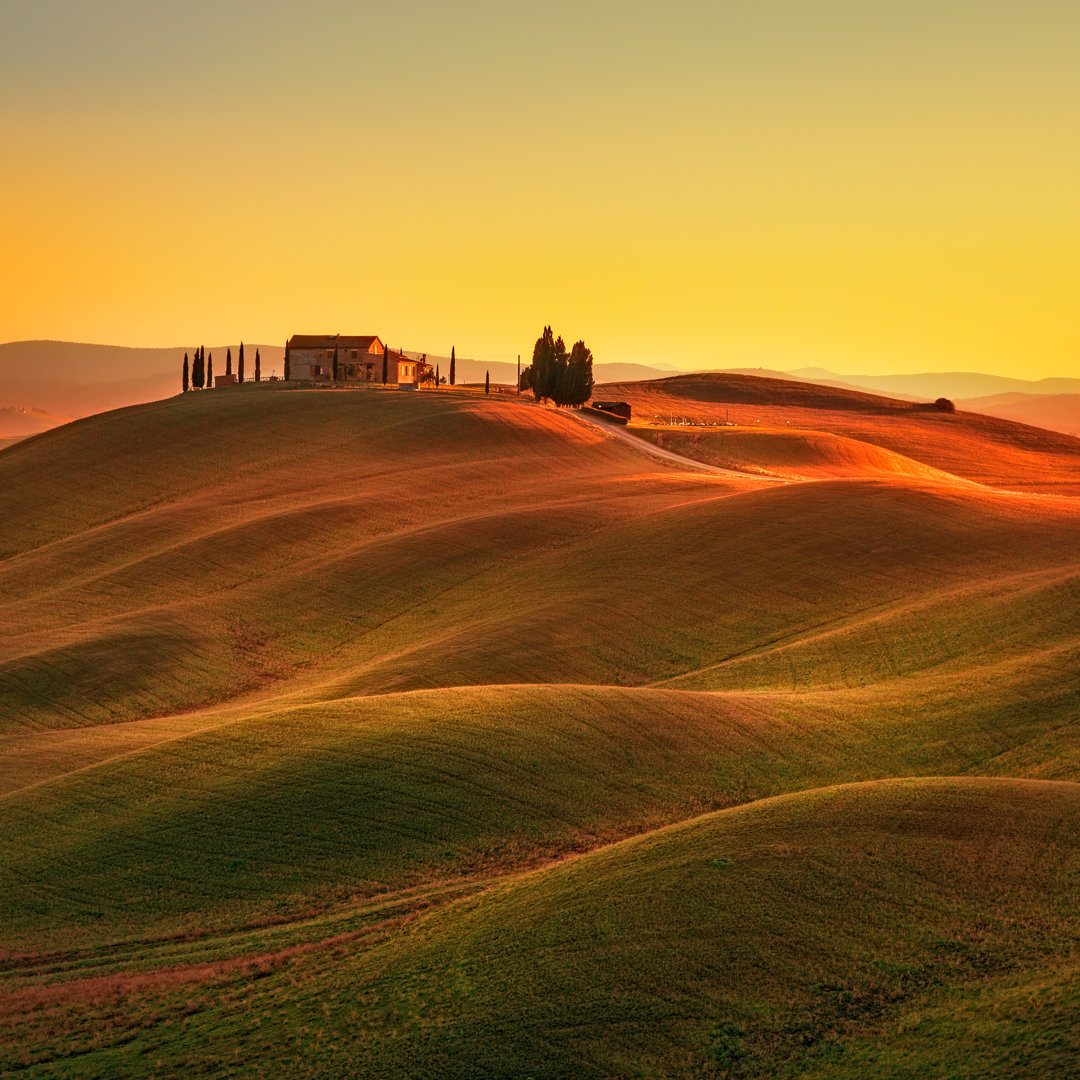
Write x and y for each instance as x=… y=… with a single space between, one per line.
x=557 y=375
x=199 y=372
x=199 y=369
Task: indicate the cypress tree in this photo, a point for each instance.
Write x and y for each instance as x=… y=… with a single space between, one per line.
x=548 y=371
x=453 y=365
x=559 y=371
x=185 y=373
x=487 y=382
x=579 y=375
x=258 y=367
x=335 y=374
x=197 y=370
x=210 y=371
x=228 y=361
x=540 y=371
x=436 y=376
x=286 y=361
x=385 y=362
x=240 y=364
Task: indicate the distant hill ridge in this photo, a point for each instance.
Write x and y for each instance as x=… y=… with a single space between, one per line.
x=78 y=379
x=748 y=389
x=957 y=384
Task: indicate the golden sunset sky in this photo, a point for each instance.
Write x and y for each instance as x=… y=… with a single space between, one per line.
x=870 y=187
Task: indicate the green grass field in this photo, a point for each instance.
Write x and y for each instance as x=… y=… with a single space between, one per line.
x=380 y=734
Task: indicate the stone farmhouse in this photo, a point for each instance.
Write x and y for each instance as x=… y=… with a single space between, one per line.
x=360 y=359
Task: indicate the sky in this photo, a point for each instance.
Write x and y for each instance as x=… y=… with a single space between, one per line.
x=867 y=186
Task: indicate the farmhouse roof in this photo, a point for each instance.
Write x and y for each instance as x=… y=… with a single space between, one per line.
x=327 y=341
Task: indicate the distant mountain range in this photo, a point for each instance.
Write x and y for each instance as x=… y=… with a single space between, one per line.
x=55 y=380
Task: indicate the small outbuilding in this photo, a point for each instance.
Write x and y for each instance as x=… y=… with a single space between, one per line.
x=615 y=408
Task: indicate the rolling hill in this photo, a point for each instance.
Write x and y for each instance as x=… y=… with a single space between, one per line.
x=985 y=449
x=1058 y=412
x=1052 y=403
x=382 y=734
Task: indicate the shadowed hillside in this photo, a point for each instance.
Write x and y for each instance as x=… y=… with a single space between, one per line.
x=805 y=935
x=384 y=734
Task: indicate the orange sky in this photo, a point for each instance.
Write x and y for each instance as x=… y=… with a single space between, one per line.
x=866 y=187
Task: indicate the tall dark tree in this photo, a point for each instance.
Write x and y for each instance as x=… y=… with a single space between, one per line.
x=240 y=364
x=487 y=382
x=186 y=380
x=548 y=365
x=334 y=376
x=436 y=376
x=258 y=367
x=453 y=364
x=542 y=364
x=286 y=361
x=579 y=375
x=385 y=363
x=525 y=379
x=228 y=361
x=197 y=369
x=210 y=371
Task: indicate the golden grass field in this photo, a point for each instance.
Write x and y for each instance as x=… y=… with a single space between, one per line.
x=363 y=733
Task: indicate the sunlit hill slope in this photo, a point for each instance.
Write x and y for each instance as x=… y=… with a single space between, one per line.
x=986 y=449
x=384 y=734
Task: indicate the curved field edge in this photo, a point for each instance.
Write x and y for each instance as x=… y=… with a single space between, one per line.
x=807 y=934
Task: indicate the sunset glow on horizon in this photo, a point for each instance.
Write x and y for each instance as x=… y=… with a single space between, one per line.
x=868 y=188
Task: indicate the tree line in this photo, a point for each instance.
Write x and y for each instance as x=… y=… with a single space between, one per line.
x=565 y=378
x=199 y=370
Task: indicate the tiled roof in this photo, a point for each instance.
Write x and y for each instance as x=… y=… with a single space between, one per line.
x=327 y=341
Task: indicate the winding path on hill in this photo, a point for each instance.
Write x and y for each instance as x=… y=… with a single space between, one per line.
x=668 y=455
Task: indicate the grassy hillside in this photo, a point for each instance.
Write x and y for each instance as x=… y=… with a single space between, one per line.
x=394 y=613
x=790 y=453
x=817 y=934
x=371 y=733
x=982 y=448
